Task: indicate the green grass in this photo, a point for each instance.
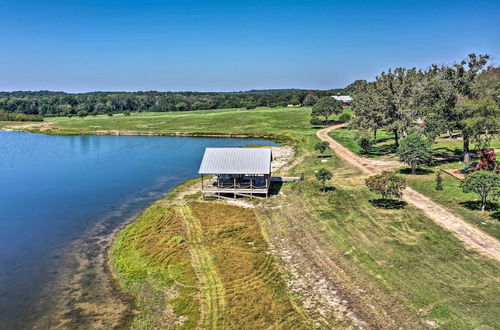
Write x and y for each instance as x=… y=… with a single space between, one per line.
x=452 y=196
x=188 y=266
x=414 y=262
x=385 y=145
x=411 y=268
x=465 y=205
x=257 y=122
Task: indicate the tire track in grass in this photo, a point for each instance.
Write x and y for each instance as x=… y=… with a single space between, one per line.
x=213 y=303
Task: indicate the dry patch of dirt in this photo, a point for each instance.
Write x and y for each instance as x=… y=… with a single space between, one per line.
x=39 y=126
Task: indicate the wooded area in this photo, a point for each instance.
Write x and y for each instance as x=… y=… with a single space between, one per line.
x=48 y=104
x=462 y=97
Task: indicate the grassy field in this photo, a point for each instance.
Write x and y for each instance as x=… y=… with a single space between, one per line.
x=466 y=205
x=283 y=122
x=416 y=271
x=190 y=267
x=396 y=265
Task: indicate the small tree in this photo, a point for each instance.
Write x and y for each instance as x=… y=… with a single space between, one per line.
x=365 y=143
x=387 y=184
x=439 y=181
x=415 y=150
x=323 y=175
x=321 y=146
x=326 y=107
x=485 y=184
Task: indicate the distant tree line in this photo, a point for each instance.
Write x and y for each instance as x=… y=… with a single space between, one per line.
x=440 y=99
x=46 y=103
x=10 y=116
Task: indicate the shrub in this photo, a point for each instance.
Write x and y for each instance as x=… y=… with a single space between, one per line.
x=387 y=184
x=483 y=183
x=439 y=181
x=344 y=118
x=82 y=113
x=365 y=143
x=126 y=113
x=316 y=121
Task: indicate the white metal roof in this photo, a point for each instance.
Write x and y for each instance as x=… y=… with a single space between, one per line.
x=236 y=161
x=343 y=98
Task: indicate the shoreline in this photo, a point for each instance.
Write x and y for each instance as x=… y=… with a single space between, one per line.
x=25 y=129
x=76 y=265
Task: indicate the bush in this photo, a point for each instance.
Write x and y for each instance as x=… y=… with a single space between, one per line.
x=126 y=113
x=387 y=184
x=82 y=113
x=345 y=117
x=316 y=121
x=365 y=143
x=439 y=181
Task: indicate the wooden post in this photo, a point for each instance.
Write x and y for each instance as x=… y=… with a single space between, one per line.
x=202 y=186
x=234 y=182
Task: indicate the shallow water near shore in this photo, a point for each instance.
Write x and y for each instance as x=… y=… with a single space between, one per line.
x=61 y=200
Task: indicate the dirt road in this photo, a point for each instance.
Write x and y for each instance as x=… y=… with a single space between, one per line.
x=469 y=234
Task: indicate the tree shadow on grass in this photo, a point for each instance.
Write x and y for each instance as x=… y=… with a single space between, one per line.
x=476 y=206
x=328 y=189
x=388 y=204
x=324 y=156
x=418 y=171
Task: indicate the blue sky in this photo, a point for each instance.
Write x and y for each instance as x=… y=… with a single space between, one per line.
x=199 y=45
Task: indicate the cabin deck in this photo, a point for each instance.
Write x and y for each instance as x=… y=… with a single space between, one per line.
x=241 y=187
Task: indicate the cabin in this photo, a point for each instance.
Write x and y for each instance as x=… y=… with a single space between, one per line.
x=233 y=172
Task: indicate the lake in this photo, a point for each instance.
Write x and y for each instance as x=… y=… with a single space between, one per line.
x=54 y=189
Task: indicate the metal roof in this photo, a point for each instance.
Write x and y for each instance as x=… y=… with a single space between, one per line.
x=343 y=98
x=236 y=161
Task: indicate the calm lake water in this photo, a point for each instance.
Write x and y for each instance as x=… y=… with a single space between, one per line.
x=54 y=188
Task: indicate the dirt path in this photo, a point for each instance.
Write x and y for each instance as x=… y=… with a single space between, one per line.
x=213 y=303
x=466 y=232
